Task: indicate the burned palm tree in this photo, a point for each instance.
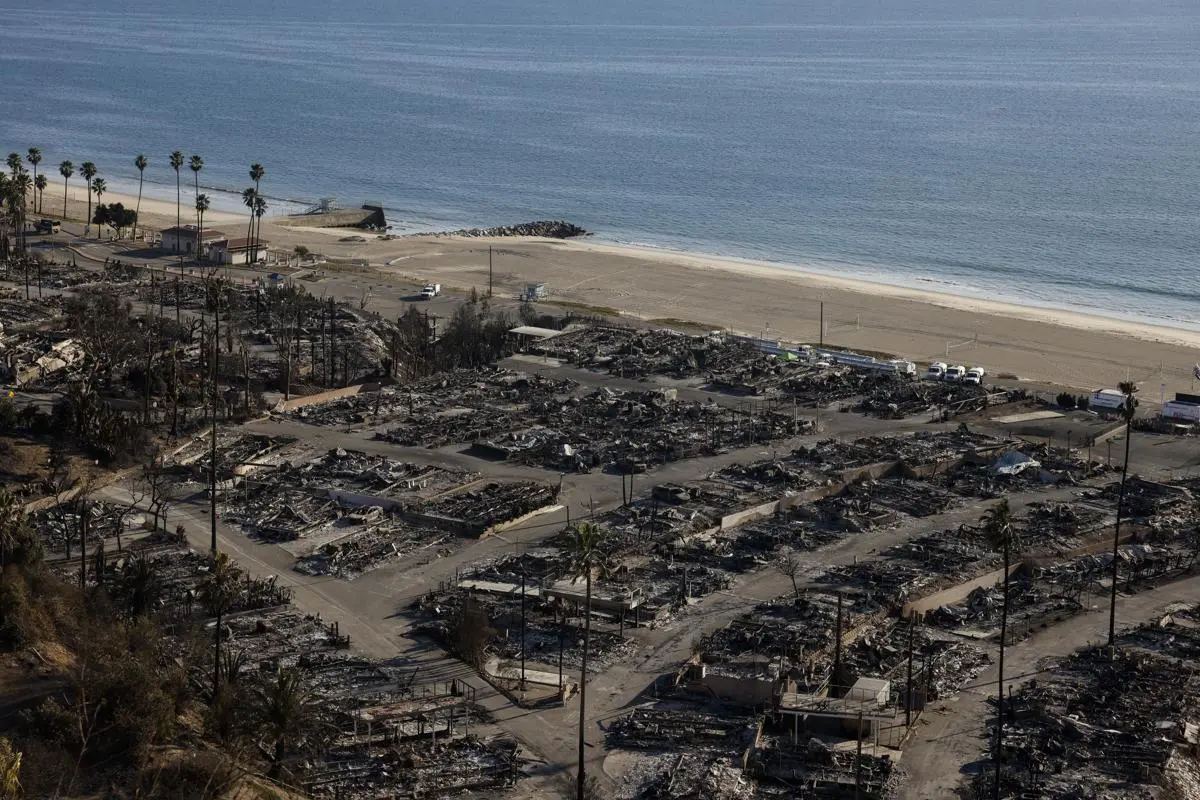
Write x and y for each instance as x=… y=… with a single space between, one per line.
x=284 y=712
x=587 y=559
x=218 y=592
x=998 y=527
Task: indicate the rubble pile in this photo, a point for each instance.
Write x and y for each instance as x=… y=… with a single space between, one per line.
x=914 y=498
x=898 y=399
x=961 y=551
x=481 y=506
x=444 y=408
x=1145 y=498
x=891 y=583
x=1058 y=527
x=635 y=353
x=631 y=430
x=238 y=454
x=670 y=728
x=1030 y=603
x=417 y=769
x=822 y=771
x=1103 y=724
x=917 y=449
x=377 y=476
x=941 y=665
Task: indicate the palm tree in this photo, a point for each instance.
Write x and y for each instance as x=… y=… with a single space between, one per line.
x=142 y=584
x=256 y=174
x=585 y=559
x=998 y=528
x=218 y=591
x=88 y=171
x=285 y=712
x=66 y=169
x=248 y=196
x=1129 y=389
x=176 y=163
x=201 y=206
x=99 y=187
x=34 y=157
x=21 y=185
x=260 y=208
x=139 y=162
x=14 y=163
x=196 y=165
x=40 y=183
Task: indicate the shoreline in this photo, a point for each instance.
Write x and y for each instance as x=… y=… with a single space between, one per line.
x=157 y=210
x=1066 y=317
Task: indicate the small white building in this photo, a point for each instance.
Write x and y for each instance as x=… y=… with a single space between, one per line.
x=184 y=238
x=235 y=251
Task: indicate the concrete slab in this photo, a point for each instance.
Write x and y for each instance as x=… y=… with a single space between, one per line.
x=1027 y=417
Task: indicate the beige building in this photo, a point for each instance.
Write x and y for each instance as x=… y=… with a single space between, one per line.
x=188 y=240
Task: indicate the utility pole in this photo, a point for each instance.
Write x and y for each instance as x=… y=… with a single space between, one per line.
x=212 y=460
x=821 y=338
x=908 y=702
x=522 y=622
x=489 y=271
x=837 y=650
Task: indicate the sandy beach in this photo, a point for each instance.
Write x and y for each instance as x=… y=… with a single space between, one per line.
x=1042 y=345
x=1036 y=344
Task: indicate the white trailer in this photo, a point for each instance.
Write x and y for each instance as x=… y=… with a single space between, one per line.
x=1178 y=411
x=1107 y=400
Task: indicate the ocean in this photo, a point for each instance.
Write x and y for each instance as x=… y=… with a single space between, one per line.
x=1046 y=152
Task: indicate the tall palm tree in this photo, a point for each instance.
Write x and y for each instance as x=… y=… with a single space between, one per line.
x=21 y=186
x=34 y=157
x=40 y=184
x=14 y=163
x=586 y=559
x=1128 y=410
x=201 y=206
x=998 y=528
x=196 y=165
x=88 y=171
x=257 y=172
x=66 y=169
x=248 y=196
x=139 y=162
x=260 y=208
x=285 y=712
x=99 y=186
x=176 y=163
x=218 y=591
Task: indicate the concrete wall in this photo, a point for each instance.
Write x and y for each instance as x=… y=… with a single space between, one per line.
x=742 y=517
x=325 y=397
x=956 y=594
x=746 y=691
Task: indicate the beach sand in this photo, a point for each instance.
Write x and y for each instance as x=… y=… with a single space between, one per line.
x=1036 y=344
x=1042 y=345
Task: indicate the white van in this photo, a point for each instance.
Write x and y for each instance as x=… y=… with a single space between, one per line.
x=936 y=371
x=955 y=373
x=974 y=376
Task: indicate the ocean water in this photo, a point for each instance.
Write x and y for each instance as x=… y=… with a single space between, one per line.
x=1045 y=152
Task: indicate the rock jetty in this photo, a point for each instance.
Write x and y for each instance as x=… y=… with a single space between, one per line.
x=550 y=229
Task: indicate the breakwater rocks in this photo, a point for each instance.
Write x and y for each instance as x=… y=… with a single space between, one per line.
x=550 y=229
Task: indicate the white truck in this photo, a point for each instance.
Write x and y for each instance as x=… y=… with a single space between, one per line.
x=955 y=373
x=430 y=291
x=974 y=376
x=936 y=371
x=1179 y=411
